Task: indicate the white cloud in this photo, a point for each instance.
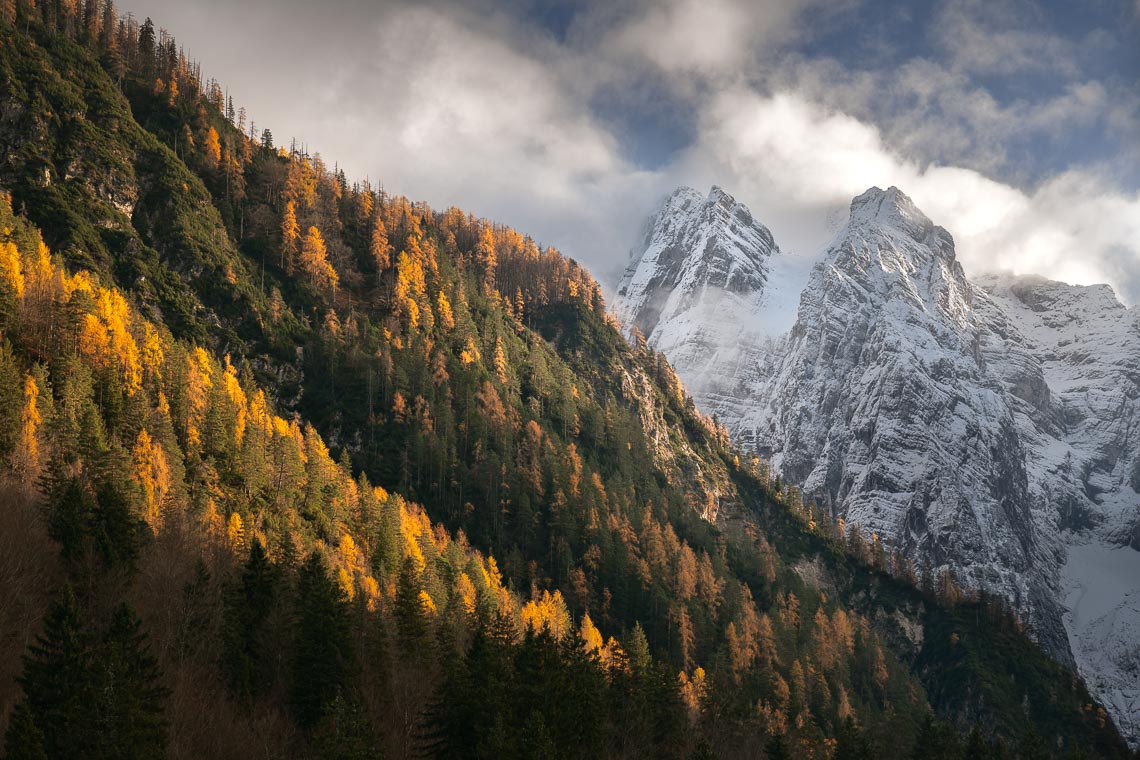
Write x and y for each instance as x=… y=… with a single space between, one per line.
x=793 y=161
x=999 y=37
x=710 y=38
x=457 y=115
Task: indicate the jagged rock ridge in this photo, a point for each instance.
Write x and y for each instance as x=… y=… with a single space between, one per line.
x=699 y=288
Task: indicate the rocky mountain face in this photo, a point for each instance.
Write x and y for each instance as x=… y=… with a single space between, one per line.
x=1072 y=367
x=989 y=426
x=700 y=287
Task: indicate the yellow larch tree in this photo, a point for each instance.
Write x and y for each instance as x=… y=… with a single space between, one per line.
x=547 y=611
x=411 y=288
x=365 y=203
x=114 y=312
x=467 y=593
x=152 y=473
x=315 y=262
x=11 y=269
x=94 y=341
x=427 y=605
x=379 y=248
x=153 y=351
x=236 y=396
x=470 y=352
x=213 y=148
x=485 y=254
x=28 y=446
x=235 y=532
x=591 y=636
x=199 y=382
x=694 y=690
x=344 y=580
x=290 y=233
x=443 y=312
x=500 y=362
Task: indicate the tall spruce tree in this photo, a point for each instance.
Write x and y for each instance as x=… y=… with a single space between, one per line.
x=322 y=643
x=248 y=605
x=86 y=695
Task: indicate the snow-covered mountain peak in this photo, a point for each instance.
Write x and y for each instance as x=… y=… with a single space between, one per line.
x=682 y=199
x=707 y=286
x=890 y=208
x=891 y=248
x=692 y=244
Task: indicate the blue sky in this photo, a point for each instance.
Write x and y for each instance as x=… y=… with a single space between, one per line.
x=1013 y=124
x=1039 y=53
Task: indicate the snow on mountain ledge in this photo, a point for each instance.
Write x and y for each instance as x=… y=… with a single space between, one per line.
x=990 y=426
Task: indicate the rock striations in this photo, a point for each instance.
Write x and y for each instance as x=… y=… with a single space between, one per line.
x=992 y=427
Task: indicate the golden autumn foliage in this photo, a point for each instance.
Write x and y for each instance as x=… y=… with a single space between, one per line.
x=235 y=532
x=198 y=385
x=501 y=367
x=236 y=397
x=213 y=148
x=290 y=234
x=288 y=476
x=547 y=612
x=379 y=247
x=315 y=263
x=467 y=593
x=470 y=353
x=411 y=289
x=28 y=446
x=427 y=604
x=485 y=253
x=443 y=312
x=152 y=473
x=694 y=691
x=591 y=636
x=11 y=268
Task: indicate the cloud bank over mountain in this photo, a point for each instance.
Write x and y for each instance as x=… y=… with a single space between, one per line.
x=1013 y=123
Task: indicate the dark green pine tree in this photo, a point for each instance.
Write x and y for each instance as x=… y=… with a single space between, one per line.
x=777 y=748
x=95 y=530
x=322 y=644
x=89 y=697
x=248 y=606
x=851 y=744
x=57 y=686
x=637 y=649
x=475 y=699
x=24 y=740
x=69 y=514
x=410 y=623
x=116 y=530
x=345 y=733
x=11 y=395
x=937 y=741
x=1032 y=746
x=647 y=699
x=130 y=692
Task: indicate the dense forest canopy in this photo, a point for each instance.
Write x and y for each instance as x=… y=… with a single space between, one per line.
x=295 y=466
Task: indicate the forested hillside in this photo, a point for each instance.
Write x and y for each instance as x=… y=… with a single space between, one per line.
x=295 y=467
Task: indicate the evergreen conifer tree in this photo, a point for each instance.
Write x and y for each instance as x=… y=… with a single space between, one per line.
x=322 y=644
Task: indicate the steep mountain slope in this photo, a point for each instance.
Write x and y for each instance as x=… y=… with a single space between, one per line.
x=881 y=405
x=452 y=361
x=1080 y=418
x=983 y=428
x=111 y=197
